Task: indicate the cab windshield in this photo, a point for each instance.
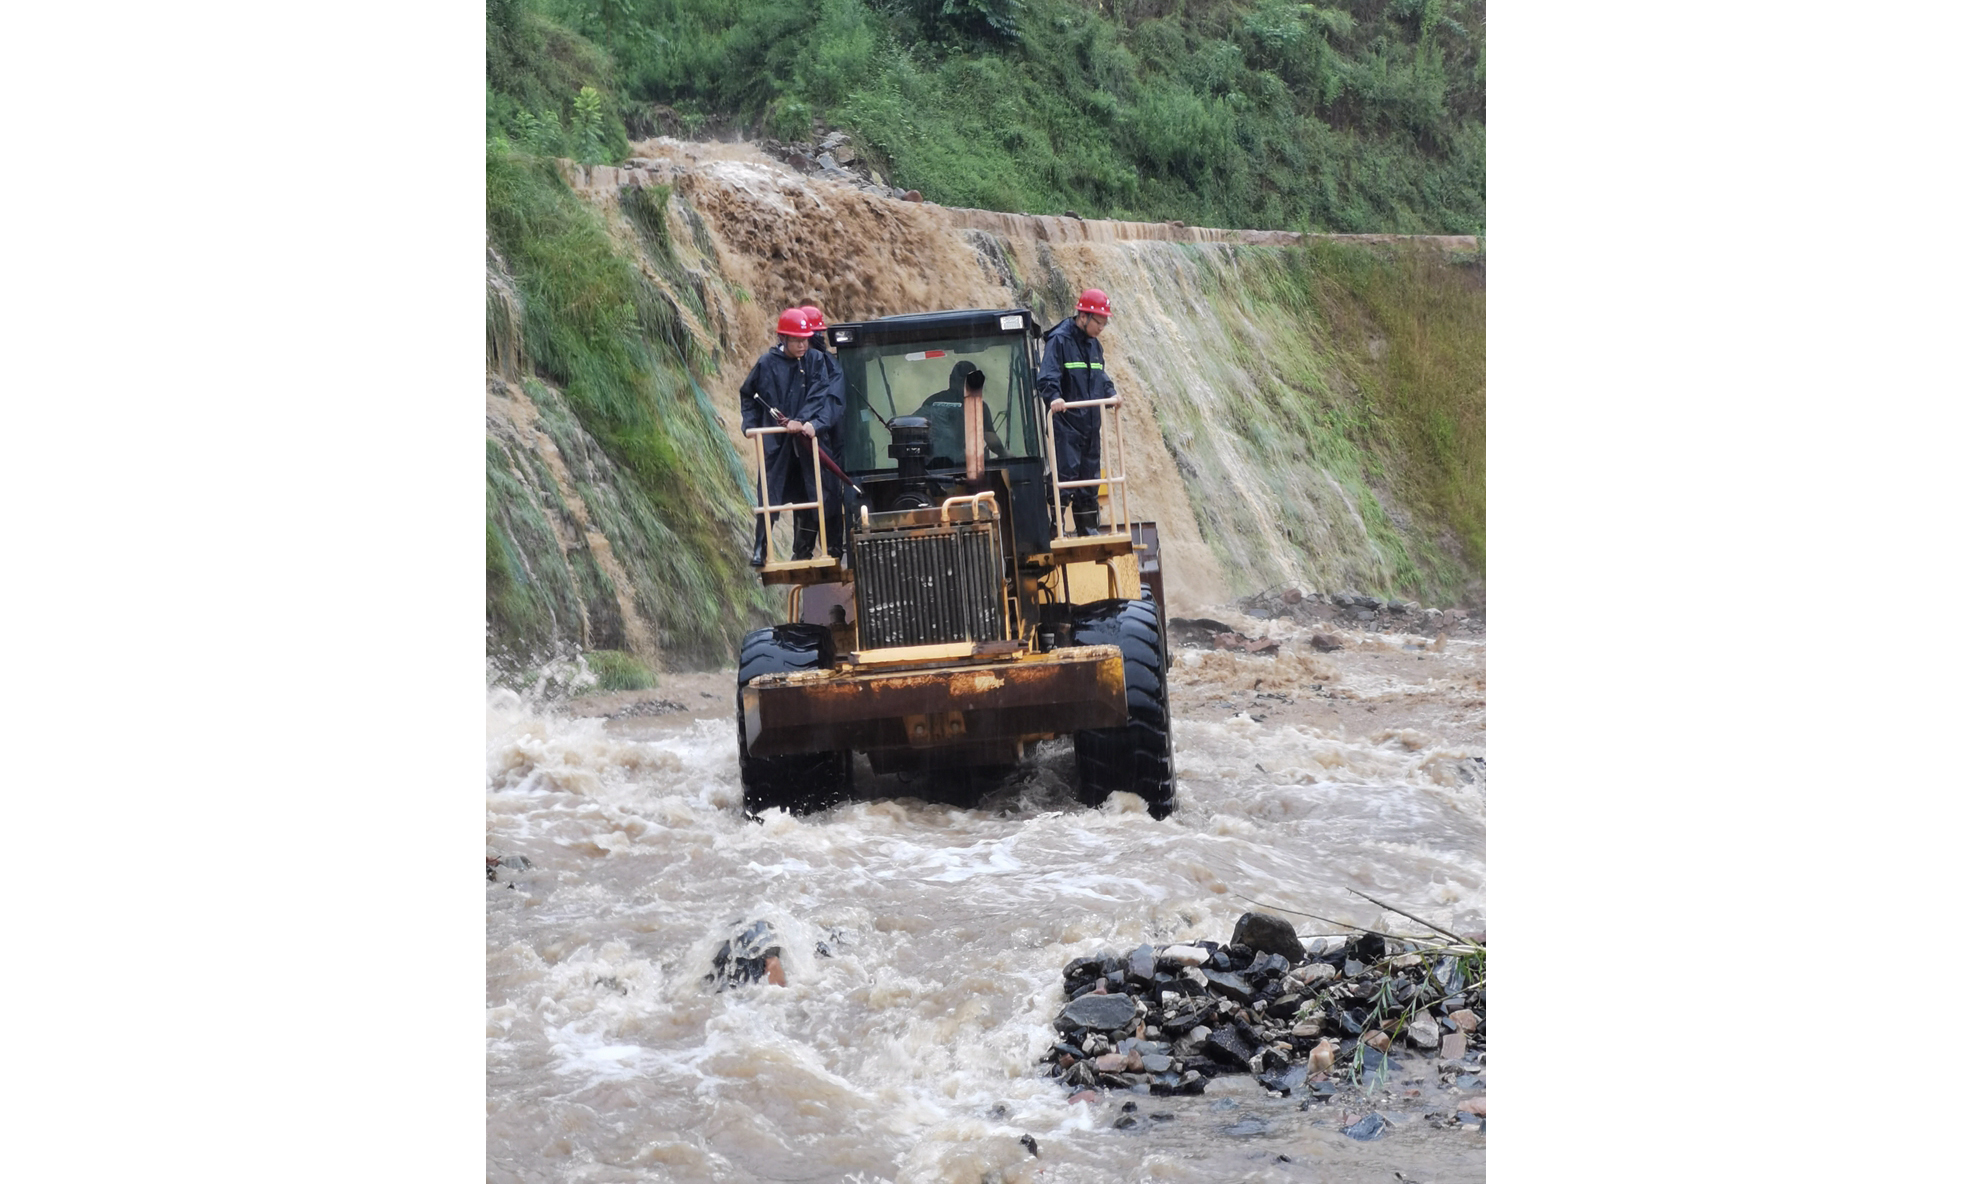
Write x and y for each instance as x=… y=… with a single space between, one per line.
x=927 y=378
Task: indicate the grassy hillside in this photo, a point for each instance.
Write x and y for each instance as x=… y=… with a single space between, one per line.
x=617 y=384
x=1365 y=116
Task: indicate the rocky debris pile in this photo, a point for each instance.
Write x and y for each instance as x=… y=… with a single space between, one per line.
x=748 y=957
x=647 y=707
x=1206 y=632
x=1301 y=1019
x=837 y=158
x=1357 y=611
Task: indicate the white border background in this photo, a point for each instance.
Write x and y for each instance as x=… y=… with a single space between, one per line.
x=243 y=482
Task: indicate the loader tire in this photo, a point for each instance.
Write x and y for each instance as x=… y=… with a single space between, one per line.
x=1136 y=757
x=799 y=782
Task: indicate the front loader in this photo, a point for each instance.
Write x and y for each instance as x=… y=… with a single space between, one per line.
x=965 y=618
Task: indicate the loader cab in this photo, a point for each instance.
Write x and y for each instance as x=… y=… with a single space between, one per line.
x=911 y=367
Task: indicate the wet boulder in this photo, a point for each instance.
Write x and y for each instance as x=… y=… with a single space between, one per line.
x=1082 y=970
x=1228 y=1047
x=1265 y=933
x=1180 y=957
x=1101 y=1012
x=747 y=958
x=1285 y=1080
x=1233 y=986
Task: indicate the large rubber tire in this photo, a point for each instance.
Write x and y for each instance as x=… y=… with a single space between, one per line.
x=1135 y=758
x=798 y=782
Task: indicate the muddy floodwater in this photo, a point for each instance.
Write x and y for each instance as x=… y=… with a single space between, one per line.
x=924 y=943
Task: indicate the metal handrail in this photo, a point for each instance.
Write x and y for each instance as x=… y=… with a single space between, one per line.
x=758 y=436
x=1112 y=437
x=945 y=509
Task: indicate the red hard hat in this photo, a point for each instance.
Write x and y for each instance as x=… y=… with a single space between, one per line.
x=816 y=322
x=1094 y=300
x=793 y=323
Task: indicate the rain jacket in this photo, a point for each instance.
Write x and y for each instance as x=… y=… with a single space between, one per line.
x=810 y=390
x=1072 y=370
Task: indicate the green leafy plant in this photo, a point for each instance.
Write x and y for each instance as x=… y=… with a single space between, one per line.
x=615 y=670
x=589 y=134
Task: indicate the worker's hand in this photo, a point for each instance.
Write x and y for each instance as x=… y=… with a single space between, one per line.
x=808 y=429
x=1057 y=405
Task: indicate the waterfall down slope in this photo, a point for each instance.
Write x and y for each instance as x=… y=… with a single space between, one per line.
x=1299 y=408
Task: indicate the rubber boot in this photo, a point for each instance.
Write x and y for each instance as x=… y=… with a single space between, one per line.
x=759 y=543
x=804 y=542
x=1087 y=520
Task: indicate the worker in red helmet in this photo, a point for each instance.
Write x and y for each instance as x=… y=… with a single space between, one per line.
x=1072 y=372
x=793 y=383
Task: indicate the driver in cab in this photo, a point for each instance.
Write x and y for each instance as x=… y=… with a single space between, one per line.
x=945 y=411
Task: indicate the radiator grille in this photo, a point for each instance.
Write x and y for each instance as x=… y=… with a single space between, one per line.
x=926 y=588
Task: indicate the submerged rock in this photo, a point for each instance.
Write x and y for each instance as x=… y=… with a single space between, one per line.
x=1370 y=1126
x=753 y=955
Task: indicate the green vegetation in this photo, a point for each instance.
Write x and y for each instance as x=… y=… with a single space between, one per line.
x=624 y=373
x=1365 y=116
x=618 y=671
x=1424 y=312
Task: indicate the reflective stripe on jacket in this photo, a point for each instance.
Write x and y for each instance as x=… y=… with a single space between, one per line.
x=1072 y=370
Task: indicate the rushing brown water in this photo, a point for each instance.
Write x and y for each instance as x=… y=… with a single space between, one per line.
x=908 y=1052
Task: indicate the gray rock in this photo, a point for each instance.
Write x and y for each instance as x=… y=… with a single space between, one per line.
x=1104 y=1012
x=1155 y=1062
x=1229 y=1048
x=1314 y=974
x=1143 y=966
x=1195 y=977
x=1372 y=1126
x=1327 y=643
x=1323 y=946
x=1363 y=614
x=1423 y=1034
x=1285 y=1080
x=1082 y=968
x=1179 y=956
x=1231 y=985
x=1264 y=932
x=1268 y=966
